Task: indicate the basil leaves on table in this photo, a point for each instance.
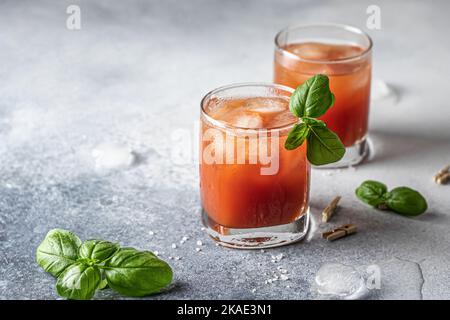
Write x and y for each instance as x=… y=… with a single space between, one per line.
x=126 y=269
x=402 y=200
x=311 y=100
x=406 y=201
x=84 y=268
x=98 y=250
x=372 y=192
x=58 y=251
x=79 y=281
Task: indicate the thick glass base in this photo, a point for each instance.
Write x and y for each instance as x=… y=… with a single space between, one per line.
x=354 y=155
x=257 y=238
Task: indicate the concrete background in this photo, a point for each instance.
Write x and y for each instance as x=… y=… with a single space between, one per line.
x=136 y=71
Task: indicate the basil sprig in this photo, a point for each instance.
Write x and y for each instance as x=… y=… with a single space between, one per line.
x=83 y=268
x=309 y=101
x=402 y=200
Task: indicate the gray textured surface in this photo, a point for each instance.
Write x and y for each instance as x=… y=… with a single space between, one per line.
x=136 y=71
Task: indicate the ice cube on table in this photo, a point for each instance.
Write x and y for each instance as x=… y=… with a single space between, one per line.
x=266 y=105
x=381 y=91
x=112 y=156
x=340 y=281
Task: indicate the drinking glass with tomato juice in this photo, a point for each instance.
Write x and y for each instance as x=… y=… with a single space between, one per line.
x=343 y=53
x=254 y=192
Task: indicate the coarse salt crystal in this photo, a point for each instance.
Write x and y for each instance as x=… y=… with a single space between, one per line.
x=284 y=277
x=199 y=243
x=198 y=249
x=174 y=246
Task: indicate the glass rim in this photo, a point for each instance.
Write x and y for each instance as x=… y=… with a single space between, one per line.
x=225 y=125
x=345 y=27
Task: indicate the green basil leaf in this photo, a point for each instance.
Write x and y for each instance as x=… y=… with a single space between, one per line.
x=78 y=282
x=406 y=201
x=97 y=250
x=297 y=135
x=372 y=192
x=324 y=146
x=313 y=98
x=103 y=284
x=137 y=273
x=58 y=250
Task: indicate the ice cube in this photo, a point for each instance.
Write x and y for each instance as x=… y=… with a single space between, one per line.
x=266 y=105
x=112 y=156
x=311 y=51
x=382 y=92
x=338 y=51
x=282 y=119
x=340 y=281
x=247 y=120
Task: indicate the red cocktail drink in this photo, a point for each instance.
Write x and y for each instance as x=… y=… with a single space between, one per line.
x=254 y=192
x=344 y=55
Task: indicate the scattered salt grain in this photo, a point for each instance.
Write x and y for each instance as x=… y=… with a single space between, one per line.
x=151 y=233
x=198 y=249
x=277 y=258
x=284 y=277
x=253 y=290
x=199 y=243
x=174 y=246
x=156 y=253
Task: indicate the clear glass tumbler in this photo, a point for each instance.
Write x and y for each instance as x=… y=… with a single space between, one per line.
x=254 y=192
x=343 y=53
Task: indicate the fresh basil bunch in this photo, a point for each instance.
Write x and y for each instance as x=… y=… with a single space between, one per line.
x=82 y=268
x=402 y=200
x=309 y=101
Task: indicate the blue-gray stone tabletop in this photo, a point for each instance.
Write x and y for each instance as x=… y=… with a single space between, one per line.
x=132 y=77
